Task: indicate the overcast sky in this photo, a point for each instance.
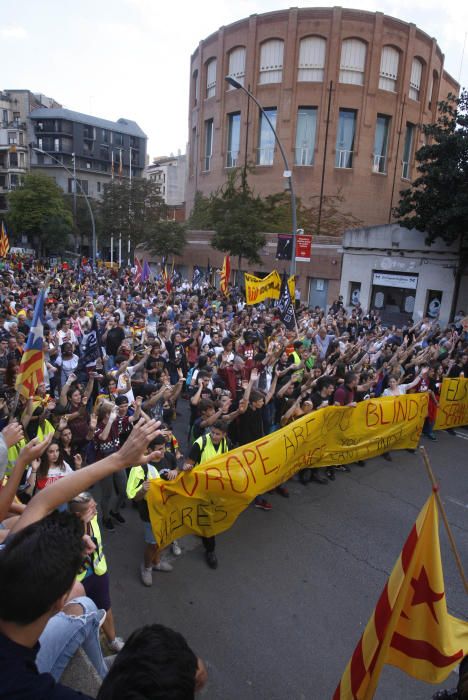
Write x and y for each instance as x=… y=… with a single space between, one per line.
x=130 y=58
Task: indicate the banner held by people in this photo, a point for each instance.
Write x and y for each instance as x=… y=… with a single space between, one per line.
x=453 y=404
x=410 y=627
x=259 y=289
x=209 y=499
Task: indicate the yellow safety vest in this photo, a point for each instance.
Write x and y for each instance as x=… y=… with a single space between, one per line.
x=297 y=376
x=99 y=564
x=208 y=450
x=14 y=450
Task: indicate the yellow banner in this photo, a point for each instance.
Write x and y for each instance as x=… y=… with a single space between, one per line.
x=257 y=290
x=453 y=404
x=209 y=499
x=292 y=287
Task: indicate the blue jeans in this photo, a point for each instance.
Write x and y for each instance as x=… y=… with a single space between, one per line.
x=64 y=634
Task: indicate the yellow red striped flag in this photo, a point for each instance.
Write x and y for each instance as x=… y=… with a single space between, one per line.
x=4 y=242
x=410 y=627
x=31 y=369
x=225 y=275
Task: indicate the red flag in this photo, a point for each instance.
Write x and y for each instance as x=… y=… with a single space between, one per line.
x=139 y=270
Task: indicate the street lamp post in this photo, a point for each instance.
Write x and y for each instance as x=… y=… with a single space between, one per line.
x=287 y=172
x=77 y=182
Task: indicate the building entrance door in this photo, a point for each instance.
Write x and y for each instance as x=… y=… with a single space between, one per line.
x=318 y=292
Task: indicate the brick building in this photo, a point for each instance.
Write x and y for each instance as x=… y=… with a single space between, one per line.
x=376 y=76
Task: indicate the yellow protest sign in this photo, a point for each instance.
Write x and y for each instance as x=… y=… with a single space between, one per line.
x=208 y=499
x=257 y=289
x=292 y=287
x=453 y=404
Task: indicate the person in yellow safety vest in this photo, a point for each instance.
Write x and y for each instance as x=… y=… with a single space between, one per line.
x=163 y=465
x=95 y=576
x=205 y=448
x=295 y=361
x=42 y=431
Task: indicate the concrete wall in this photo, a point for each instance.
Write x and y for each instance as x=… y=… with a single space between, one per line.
x=397 y=250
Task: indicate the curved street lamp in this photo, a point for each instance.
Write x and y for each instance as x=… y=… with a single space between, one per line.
x=77 y=182
x=287 y=172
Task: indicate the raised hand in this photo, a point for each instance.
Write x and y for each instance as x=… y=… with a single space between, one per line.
x=35 y=448
x=133 y=450
x=12 y=433
x=78 y=459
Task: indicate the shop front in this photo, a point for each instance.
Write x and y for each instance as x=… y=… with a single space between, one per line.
x=393 y=296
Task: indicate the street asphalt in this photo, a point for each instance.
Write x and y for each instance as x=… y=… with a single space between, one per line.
x=280 y=617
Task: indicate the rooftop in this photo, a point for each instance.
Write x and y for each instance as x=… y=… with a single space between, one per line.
x=124 y=126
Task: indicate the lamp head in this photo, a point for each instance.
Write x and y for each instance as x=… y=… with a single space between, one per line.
x=233 y=82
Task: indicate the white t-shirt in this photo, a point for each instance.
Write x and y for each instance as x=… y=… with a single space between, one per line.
x=402 y=389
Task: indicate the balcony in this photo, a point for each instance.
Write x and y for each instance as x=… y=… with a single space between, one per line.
x=304 y=156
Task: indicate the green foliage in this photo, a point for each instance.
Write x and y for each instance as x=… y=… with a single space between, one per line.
x=237 y=217
x=131 y=209
x=37 y=208
x=437 y=201
x=200 y=219
x=166 y=238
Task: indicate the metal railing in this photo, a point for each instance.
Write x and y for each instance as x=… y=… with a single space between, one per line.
x=265 y=155
x=379 y=164
x=344 y=158
x=405 y=170
x=231 y=159
x=304 y=156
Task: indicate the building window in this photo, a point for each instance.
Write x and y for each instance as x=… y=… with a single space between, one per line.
x=21 y=138
x=237 y=65
x=195 y=87
x=208 y=145
x=233 y=144
x=16 y=118
x=81 y=186
x=22 y=160
x=433 y=91
x=12 y=137
x=211 y=78
x=266 y=139
x=4 y=117
x=104 y=152
x=407 y=151
x=13 y=160
x=271 y=61
x=311 y=67
x=305 y=135
x=56 y=145
x=118 y=139
x=88 y=132
x=105 y=136
x=382 y=130
x=98 y=186
x=88 y=165
x=353 y=61
x=345 y=138
x=415 y=79
x=389 y=69
x=39 y=144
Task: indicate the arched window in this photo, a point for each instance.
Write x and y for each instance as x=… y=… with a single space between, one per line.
x=415 y=79
x=433 y=89
x=389 y=61
x=211 y=78
x=271 y=61
x=237 y=64
x=353 y=61
x=195 y=87
x=312 y=50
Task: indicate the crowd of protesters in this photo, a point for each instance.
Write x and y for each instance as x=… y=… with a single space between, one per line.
x=232 y=373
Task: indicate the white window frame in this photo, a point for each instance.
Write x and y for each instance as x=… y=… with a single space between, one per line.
x=237 y=65
x=353 y=61
x=312 y=56
x=271 y=61
x=211 y=67
x=415 y=79
x=389 y=64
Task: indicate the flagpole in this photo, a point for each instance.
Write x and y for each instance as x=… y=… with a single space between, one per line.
x=436 y=489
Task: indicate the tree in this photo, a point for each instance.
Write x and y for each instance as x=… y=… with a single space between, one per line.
x=166 y=238
x=201 y=216
x=238 y=218
x=437 y=201
x=131 y=209
x=37 y=208
x=333 y=220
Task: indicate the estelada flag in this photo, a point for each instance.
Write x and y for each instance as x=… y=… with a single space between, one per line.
x=225 y=275
x=410 y=627
x=4 y=242
x=31 y=369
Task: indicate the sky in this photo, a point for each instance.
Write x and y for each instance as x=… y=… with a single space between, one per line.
x=131 y=58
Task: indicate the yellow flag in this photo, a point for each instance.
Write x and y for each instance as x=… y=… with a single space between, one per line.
x=292 y=287
x=410 y=627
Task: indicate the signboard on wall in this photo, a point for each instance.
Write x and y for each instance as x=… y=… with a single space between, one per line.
x=387 y=279
x=303 y=248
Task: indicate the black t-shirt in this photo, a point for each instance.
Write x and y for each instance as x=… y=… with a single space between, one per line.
x=317 y=399
x=250 y=426
x=167 y=463
x=115 y=336
x=22 y=681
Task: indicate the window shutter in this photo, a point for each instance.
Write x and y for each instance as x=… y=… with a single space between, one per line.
x=353 y=61
x=312 y=52
x=237 y=64
x=271 y=61
x=389 y=68
x=415 y=80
